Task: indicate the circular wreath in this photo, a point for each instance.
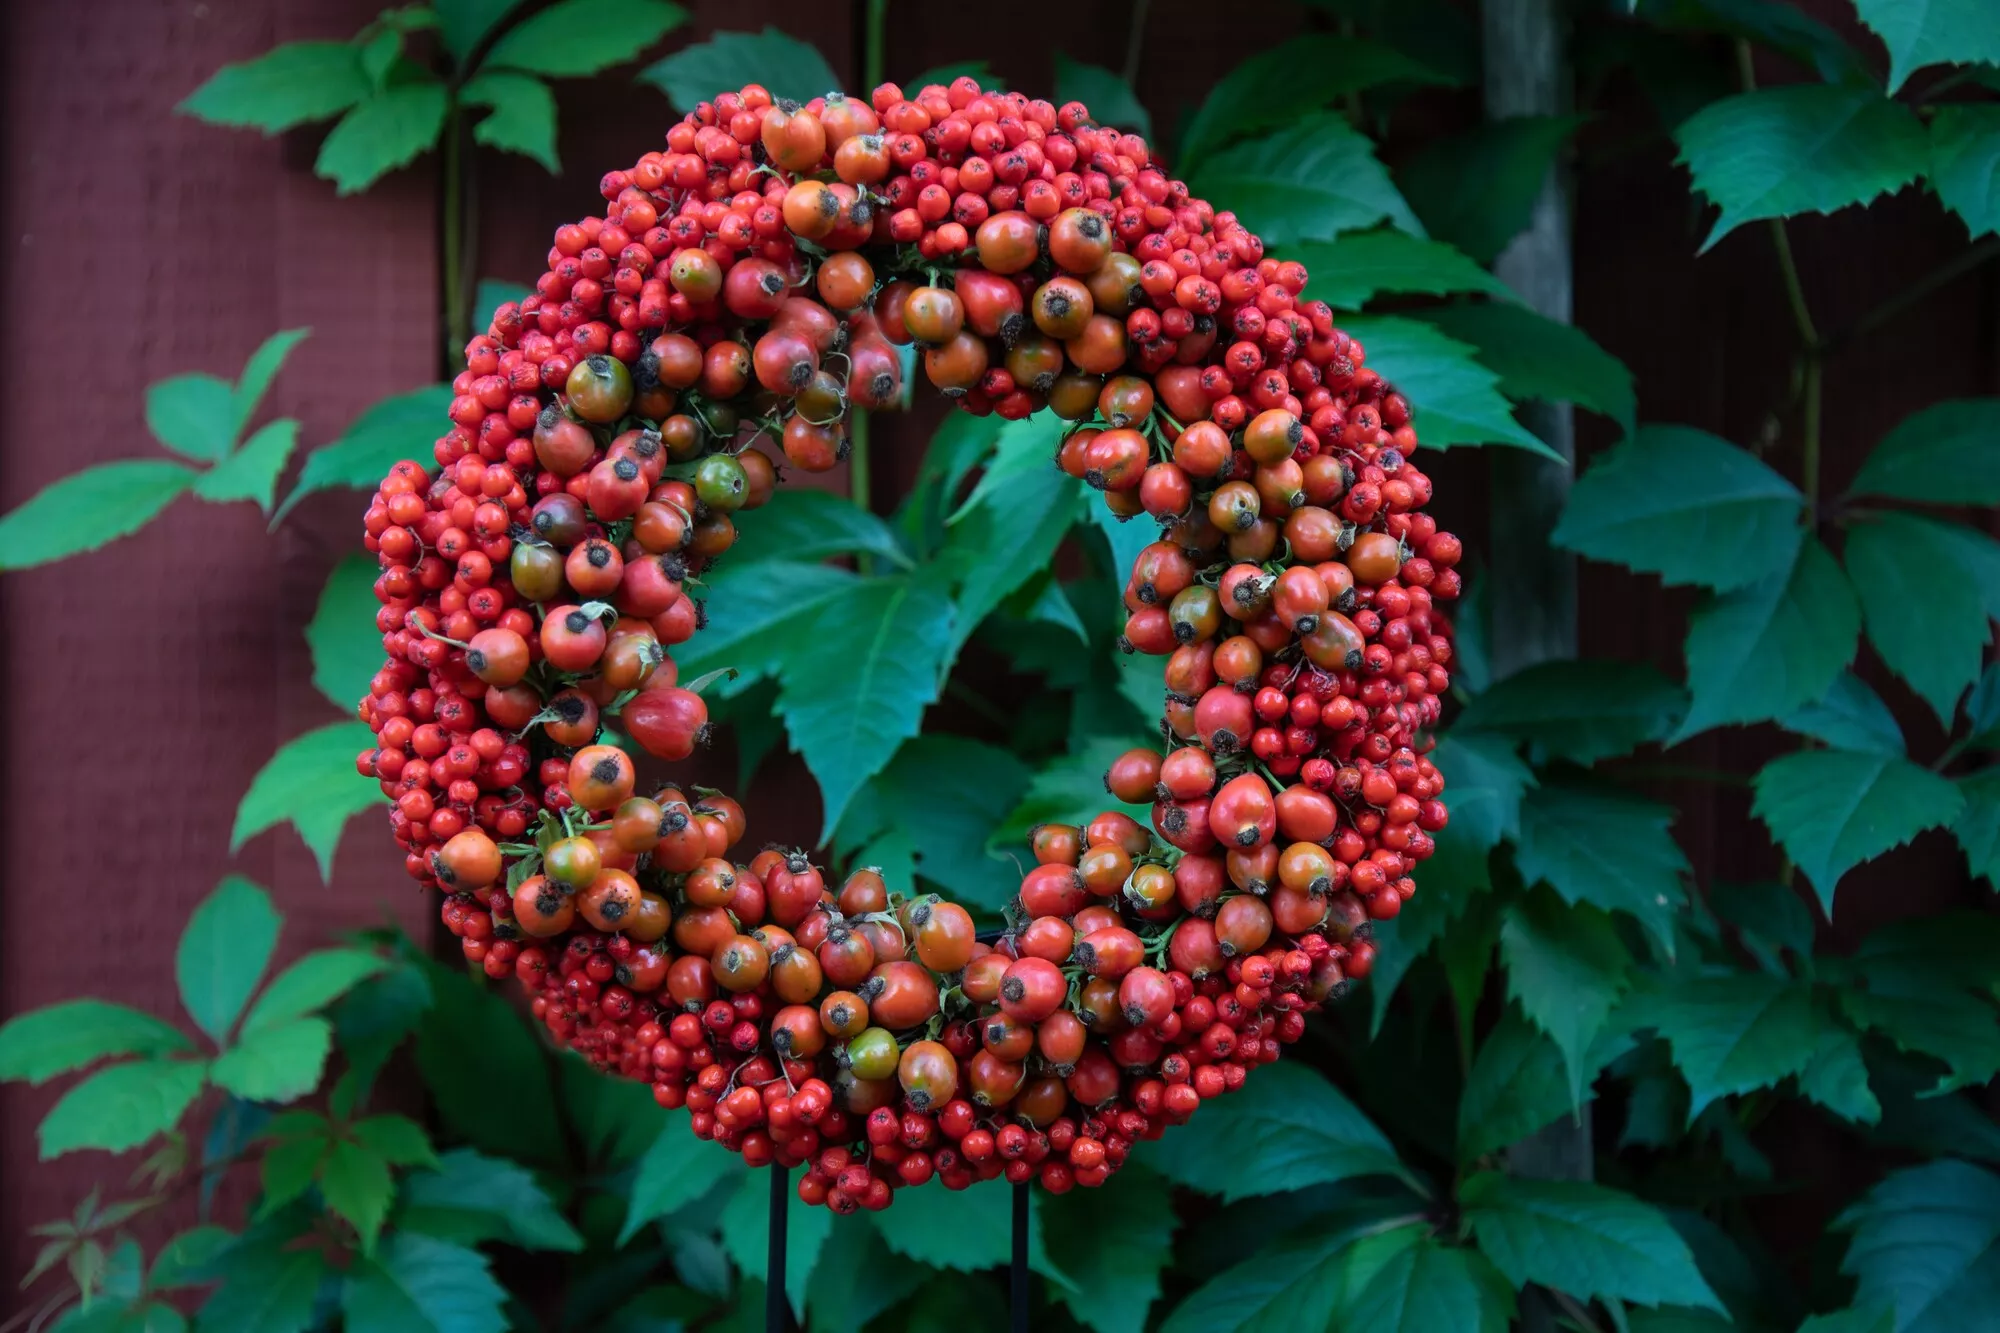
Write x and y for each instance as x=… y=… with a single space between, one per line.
x=749 y=285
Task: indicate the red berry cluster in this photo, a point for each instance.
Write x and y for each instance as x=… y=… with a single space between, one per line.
x=605 y=431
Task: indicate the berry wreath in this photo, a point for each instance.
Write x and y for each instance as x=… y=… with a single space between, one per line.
x=751 y=283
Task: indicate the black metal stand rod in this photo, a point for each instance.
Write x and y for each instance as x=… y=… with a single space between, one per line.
x=777 y=1308
x=1017 y=1277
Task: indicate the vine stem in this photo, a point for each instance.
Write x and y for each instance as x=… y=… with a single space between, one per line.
x=1135 y=41
x=873 y=51
x=452 y=258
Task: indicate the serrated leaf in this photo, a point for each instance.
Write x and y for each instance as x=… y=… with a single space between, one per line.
x=311 y=782
x=1276 y=87
x=577 y=37
x=945 y=794
x=472 y=1198
x=58 y=1038
x=1931 y=32
x=289 y=1166
x=746 y=1222
x=266 y=1288
x=403 y=426
x=1910 y=982
x=1853 y=1320
x=86 y=509
x=1815 y=148
x=1771 y=918
x=1518 y=1085
x=1582 y=1239
x=346 y=646
x=1115 y=1242
x=1767 y=650
x=786 y=66
x=964 y=1230
x=1477 y=189
x=258 y=372
x=1541 y=358
x=396 y=1139
x=1927 y=1245
x=857 y=1278
x=356 y=1184
x=1453 y=878
x=1291 y=1285
x=492 y=293
x=855 y=685
x=1831 y=809
x=194 y=415
x=286 y=86
x=1731 y=1033
x=1409 y=1281
x=472 y=1041
x=223 y=951
x=1110 y=99
x=1308 y=182
x=1835 y=1076
x=1454 y=399
x=1567 y=969
x=310 y=984
x=1580 y=711
x=1977 y=827
x=802 y=525
x=1965 y=165
x=278 y=1063
x=1008 y=529
x=523 y=119
x=757 y=615
x=388 y=130
x=678 y=1169
x=1910 y=462
x=1771 y=23
x=122 y=1107
x=1680 y=503
x=1486 y=779
x=1604 y=848
x=251 y=472
x=1287 y=1129
x=415 y=1284
x=1067 y=790
x=1352 y=270
x=1849 y=717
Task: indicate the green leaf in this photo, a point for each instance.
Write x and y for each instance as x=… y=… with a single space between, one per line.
x=194 y=415
x=524 y=115
x=965 y=1230
x=1477 y=189
x=1585 y=1240
x=1814 y=148
x=1114 y=1241
x=258 y=372
x=1909 y=462
x=472 y=1198
x=944 y=793
x=1067 y=790
x=1837 y=1078
x=397 y=1139
x=309 y=985
x=86 y=509
x=1731 y=1033
x=1931 y=32
x=614 y=1120
x=746 y=1230
x=1771 y=918
x=1008 y=529
x=286 y=86
x=266 y=1288
x=1580 y=711
x=1110 y=99
x=1854 y=1320
x=1455 y=400
x=1409 y=1281
x=804 y=526
x=1289 y=1286
x=311 y=782
x=1287 y=1129
x=786 y=66
x=855 y=684
x=356 y=1184
x=1831 y=809
x=678 y=1169
x=1309 y=181
x=251 y=473
x=1567 y=969
x=1352 y=270
x=1850 y=717
x=1909 y=982
x=223 y=951
x=1927 y=1245
x=416 y=1284
x=58 y=1038
x=277 y=1064
x=346 y=646
x=1486 y=779
x=1769 y=649
x=400 y=427
x=1277 y=87
x=1602 y=847
x=464 y=24
x=1541 y=358
x=389 y=130
x=1965 y=164
x=492 y=293
x=1517 y=1086
x=577 y=37
x=857 y=1278
x=472 y=1041
x=1771 y=23
x=1977 y=827
x=122 y=1107
x=1687 y=506
x=758 y=615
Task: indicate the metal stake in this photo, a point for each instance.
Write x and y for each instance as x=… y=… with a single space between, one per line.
x=777 y=1308
x=1017 y=1277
